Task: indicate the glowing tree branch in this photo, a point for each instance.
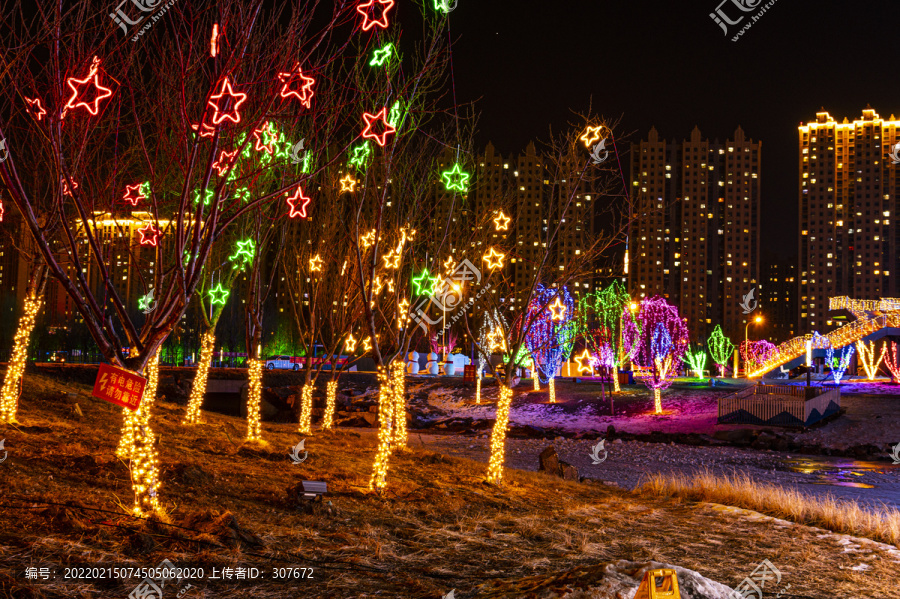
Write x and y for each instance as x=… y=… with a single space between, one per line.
x=891 y=360
x=866 y=353
x=553 y=330
x=600 y=322
x=720 y=348
x=655 y=337
x=757 y=352
x=839 y=365
x=491 y=338
x=696 y=361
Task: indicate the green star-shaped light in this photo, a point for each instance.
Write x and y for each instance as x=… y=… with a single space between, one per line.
x=456 y=179
x=307 y=162
x=395 y=114
x=425 y=284
x=218 y=295
x=360 y=155
x=244 y=252
x=207 y=200
x=382 y=56
x=242 y=193
x=443 y=6
x=145 y=301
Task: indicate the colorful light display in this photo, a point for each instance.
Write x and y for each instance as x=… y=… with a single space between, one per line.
x=425 y=284
x=654 y=336
x=254 y=398
x=78 y=86
x=584 y=362
x=375 y=6
x=550 y=340
x=9 y=394
x=244 y=253
x=218 y=295
x=866 y=353
x=599 y=317
x=456 y=179
x=591 y=135
x=221 y=100
x=137 y=192
x=720 y=348
x=382 y=117
x=756 y=352
x=891 y=360
x=501 y=222
x=35 y=109
x=198 y=387
x=494 y=259
x=297 y=85
x=149 y=234
x=838 y=366
x=696 y=361
x=225 y=161
x=557 y=309
x=498 y=436
x=330 y=402
x=382 y=55
x=297 y=203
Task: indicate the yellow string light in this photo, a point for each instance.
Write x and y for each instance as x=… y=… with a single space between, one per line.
x=552 y=390
x=9 y=394
x=306 y=404
x=198 y=388
x=615 y=379
x=478 y=388
x=534 y=376
x=867 y=358
x=138 y=445
x=385 y=408
x=330 y=401
x=398 y=392
x=498 y=436
x=254 y=397
x=663 y=367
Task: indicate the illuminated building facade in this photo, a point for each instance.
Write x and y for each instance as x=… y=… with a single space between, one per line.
x=847 y=204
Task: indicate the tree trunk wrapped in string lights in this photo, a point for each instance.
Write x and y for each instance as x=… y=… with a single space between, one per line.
x=330 y=401
x=866 y=353
x=306 y=405
x=399 y=435
x=385 y=416
x=138 y=445
x=498 y=436
x=551 y=330
x=491 y=338
x=254 y=399
x=9 y=395
x=889 y=354
x=198 y=388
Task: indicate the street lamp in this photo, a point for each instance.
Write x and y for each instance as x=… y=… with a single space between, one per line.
x=756 y=320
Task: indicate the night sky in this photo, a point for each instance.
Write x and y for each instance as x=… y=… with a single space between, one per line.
x=668 y=64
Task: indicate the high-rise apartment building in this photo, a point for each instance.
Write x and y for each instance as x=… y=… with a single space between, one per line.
x=695 y=239
x=848 y=204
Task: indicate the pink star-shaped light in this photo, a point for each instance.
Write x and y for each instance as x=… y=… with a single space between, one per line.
x=35 y=109
x=92 y=79
x=305 y=92
x=224 y=162
x=149 y=235
x=134 y=194
x=221 y=114
x=370 y=119
x=369 y=22
x=298 y=203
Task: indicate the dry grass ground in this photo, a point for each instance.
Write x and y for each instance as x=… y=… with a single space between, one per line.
x=438 y=527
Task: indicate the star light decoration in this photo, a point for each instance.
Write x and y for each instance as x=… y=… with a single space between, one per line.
x=557 y=309
x=35 y=109
x=584 y=361
x=244 y=253
x=298 y=203
x=371 y=120
x=220 y=101
x=65 y=187
x=218 y=295
x=207 y=196
x=501 y=222
x=382 y=56
x=145 y=301
x=137 y=192
x=359 y=155
x=225 y=161
x=350 y=344
x=449 y=265
x=392 y=258
x=494 y=259
x=456 y=179
x=149 y=235
x=396 y=113
x=425 y=284
x=296 y=84
x=591 y=135
x=348 y=184
x=266 y=136
x=368 y=240
x=374 y=6
x=315 y=263
x=78 y=86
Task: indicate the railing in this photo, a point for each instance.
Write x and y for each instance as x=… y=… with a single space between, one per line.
x=782 y=405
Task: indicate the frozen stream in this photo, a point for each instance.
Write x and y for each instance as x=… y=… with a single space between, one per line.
x=627 y=462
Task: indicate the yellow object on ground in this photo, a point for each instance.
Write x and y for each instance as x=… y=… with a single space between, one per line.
x=659 y=584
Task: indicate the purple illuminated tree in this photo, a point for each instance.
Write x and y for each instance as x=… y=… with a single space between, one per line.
x=552 y=332
x=655 y=337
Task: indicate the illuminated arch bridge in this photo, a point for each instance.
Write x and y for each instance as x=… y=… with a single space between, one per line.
x=872 y=316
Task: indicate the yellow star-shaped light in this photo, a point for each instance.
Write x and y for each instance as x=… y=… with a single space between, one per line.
x=348 y=184
x=315 y=263
x=368 y=240
x=591 y=135
x=403 y=313
x=494 y=259
x=377 y=285
x=495 y=340
x=392 y=259
x=449 y=265
x=558 y=309
x=584 y=361
x=350 y=344
x=367 y=344
x=501 y=223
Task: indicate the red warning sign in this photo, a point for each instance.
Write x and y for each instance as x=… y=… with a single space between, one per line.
x=119 y=386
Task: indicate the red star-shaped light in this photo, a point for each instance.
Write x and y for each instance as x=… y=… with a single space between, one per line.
x=370 y=119
x=134 y=194
x=224 y=162
x=383 y=5
x=219 y=101
x=149 y=235
x=65 y=187
x=260 y=133
x=204 y=129
x=92 y=79
x=304 y=93
x=35 y=109
x=298 y=203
